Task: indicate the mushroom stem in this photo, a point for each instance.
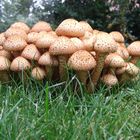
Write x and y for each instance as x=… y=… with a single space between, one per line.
x=62 y=67
x=4 y=77
x=49 y=72
x=134 y=60
x=97 y=71
x=82 y=76
x=124 y=77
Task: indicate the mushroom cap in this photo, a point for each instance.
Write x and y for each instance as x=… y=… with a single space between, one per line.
x=134 y=48
x=117 y=36
x=95 y=32
x=71 y=28
x=46 y=41
x=105 y=43
x=19 y=64
x=78 y=43
x=21 y=25
x=38 y=73
x=41 y=26
x=81 y=60
x=31 y=52
x=62 y=46
x=114 y=60
x=109 y=79
x=2 y=38
x=47 y=59
x=15 y=31
x=120 y=70
x=4 y=63
x=32 y=37
x=14 y=43
x=5 y=53
x=123 y=52
x=86 y=26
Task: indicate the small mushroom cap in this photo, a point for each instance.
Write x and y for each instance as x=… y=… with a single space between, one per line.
x=21 y=25
x=41 y=26
x=134 y=48
x=109 y=79
x=114 y=60
x=95 y=32
x=47 y=59
x=15 y=31
x=5 y=53
x=71 y=28
x=2 y=38
x=123 y=52
x=4 y=63
x=38 y=73
x=132 y=69
x=120 y=70
x=19 y=64
x=31 y=52
x=62 y=46
x=117 y=36
x=105 y=43
x=86 y=26
x=78 y=43
x=14 y=43
x=81 y=60
x=46 y=41
x=32 y=37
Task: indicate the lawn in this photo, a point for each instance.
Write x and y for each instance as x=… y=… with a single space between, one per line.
x=108 y=114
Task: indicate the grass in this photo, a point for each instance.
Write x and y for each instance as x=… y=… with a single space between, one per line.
x=109 y=114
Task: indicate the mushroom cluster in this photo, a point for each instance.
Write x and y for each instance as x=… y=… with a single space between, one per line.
x=94 y=55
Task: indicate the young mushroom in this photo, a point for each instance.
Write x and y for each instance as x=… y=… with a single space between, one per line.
x=82 y=62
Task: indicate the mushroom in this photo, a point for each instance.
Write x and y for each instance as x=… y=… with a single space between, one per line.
x=49 y=61
x=70 y=28
x=41 y=26
x=38 y=73
x=2 y=38
x=62 y=47
x=5 y=53
x=21 y=25
x=82 y=61
x=31 y=52
x=32 y=37
x=103 y=46
x=134 y=51
x=4 y=67
x=86 y=26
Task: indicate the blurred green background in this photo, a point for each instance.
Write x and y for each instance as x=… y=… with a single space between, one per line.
x=106 y=15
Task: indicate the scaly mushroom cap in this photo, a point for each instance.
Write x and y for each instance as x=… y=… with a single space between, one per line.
x=53 y=33
x=118 y=37
x=114 y=60
x=86 y=26
x=4 y=63
x=14 y=31
x=78 y=43
x=104 y=43
x=2 y=38
x=19 y=64
x=5 y=53
x=32 y=37
x=47 y=59
x=21 y=25
x=41 y=26
x=62 y=46
x=38 y=73
x=71 y=28
x=14 y=43
x=134 y=48
x=81 y=60
x=109 y=79
x=46 y=41
x=31 y=52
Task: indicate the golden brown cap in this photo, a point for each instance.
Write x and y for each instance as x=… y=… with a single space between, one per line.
x=2 y=38
x=21 y=25
x=32 y=37
x=19 y=64
x=82 y=60
x=4 y=63
x=38 y=73
x=71 y=28
x=117 y=36
x=14 y=43
x=41 y=26
x=62 y=46
x=31 y=52
x=86 y=26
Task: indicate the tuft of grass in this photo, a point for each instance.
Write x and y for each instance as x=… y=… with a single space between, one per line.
x=71 y=113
